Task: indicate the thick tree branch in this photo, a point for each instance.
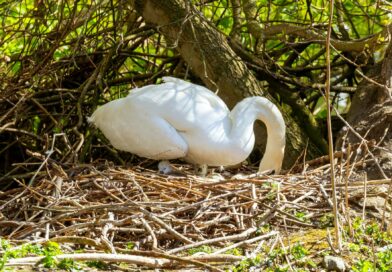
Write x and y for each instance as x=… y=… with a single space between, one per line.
x=250 y=10
x=236 y=29
x=198 y=42
x=360 y=45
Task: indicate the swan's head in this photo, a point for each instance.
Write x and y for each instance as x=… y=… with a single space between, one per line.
x=272 y=162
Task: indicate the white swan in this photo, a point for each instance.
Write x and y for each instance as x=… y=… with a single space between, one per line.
x=178 y=119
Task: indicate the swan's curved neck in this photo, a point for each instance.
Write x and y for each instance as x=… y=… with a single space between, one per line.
x=244 y=115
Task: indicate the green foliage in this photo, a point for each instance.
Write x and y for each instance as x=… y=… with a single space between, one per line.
x=60 y=125
x=363 y=266
x=52 y=248
x=300 y=215
x=130 y=245
x=276 y=260
x=263 y=229
x=20 y=252
x=247 y=263
x=380 y=262
x=298 y=251
x=67 y=264
x=384 y=260
x=363 y=253
x=204 y=248
x=97 y=264
x=49 y=250
x=367 y=236
x=24 y=250
x=235 y=252
x=4 y=244
x=36 y=123
x=353 y=247
x=369 y=231
x=327 y=220
x=49 y=261
x=378 y=236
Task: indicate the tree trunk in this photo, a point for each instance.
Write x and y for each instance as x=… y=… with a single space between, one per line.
x=370 y=115
x=211 y=58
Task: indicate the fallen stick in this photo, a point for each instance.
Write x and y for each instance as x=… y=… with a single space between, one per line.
x=159 y=262
x=246 y=242
x=234 y=237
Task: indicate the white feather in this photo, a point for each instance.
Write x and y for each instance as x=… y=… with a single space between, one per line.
x=178 y=119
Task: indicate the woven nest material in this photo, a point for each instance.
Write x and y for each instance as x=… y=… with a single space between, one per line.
x=112 y=209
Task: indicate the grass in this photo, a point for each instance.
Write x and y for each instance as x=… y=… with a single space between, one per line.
x=366 y=249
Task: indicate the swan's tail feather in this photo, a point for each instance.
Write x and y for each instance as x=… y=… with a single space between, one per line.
x=92 y=120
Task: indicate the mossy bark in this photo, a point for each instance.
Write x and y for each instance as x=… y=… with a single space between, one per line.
x=370 y=116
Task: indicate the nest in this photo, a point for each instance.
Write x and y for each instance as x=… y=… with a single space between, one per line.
x=156 y=220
